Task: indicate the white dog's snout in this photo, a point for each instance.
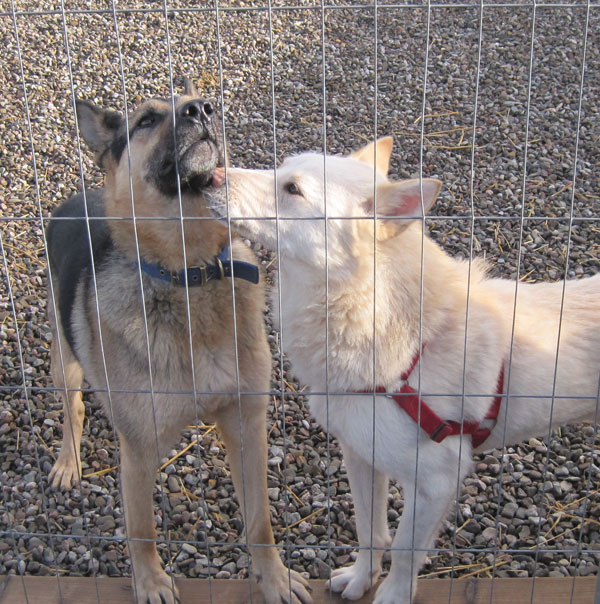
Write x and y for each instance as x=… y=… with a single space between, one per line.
x=216 y=205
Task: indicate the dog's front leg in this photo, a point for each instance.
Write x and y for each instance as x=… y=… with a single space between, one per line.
x=245 y=439
x=152 y=585
x=369 y=489
x=427 y=497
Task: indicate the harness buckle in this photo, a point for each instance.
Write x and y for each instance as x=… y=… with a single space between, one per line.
x=442 y=430
x=174 y=277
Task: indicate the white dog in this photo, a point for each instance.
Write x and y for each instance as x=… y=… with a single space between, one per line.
x=375 y=306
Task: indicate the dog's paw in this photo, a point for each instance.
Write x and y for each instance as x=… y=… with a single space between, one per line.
x=285 y=587
x=65 y=473
x=155 y=588
x=352 y=581
x=390 y=592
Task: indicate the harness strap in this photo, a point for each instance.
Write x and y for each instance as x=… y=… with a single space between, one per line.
x=436 y=427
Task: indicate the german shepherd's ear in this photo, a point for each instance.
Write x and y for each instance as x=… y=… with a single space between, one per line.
x=399 y=203
x=98 y=127
x=379 y=151
x=189 y=88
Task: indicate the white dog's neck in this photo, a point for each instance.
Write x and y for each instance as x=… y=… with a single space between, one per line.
x=347 y=307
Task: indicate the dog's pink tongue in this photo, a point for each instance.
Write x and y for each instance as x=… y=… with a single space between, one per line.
x=218 y=177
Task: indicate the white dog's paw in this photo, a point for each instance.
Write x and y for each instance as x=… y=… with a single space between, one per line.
x=390 y=592
x=352 y=581
x=283 y=586
x=155 y=588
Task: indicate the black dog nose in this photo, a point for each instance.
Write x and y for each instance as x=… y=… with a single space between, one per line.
x=197 y=110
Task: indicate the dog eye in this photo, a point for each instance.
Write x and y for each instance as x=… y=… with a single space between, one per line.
x=146 y=121
x=292 y=188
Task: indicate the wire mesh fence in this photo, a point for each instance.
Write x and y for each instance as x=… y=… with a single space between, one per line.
x=497 y=100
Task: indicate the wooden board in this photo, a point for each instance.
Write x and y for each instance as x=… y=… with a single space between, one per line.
x=86 y=590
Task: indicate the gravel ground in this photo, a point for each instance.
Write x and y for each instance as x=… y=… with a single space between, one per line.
x=544 y=492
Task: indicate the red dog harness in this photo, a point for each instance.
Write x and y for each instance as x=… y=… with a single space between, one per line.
x=436 y=427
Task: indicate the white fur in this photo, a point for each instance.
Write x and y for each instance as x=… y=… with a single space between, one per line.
x=352 y=286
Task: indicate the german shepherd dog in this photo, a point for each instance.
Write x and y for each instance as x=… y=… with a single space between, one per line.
x=160 y=354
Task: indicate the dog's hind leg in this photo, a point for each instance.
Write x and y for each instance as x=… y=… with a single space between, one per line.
x=246 y=443
x=67 y=375
x=369 y=488
x=152 y=585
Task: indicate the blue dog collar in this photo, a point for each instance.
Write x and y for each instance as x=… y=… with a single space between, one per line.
x=200 y=275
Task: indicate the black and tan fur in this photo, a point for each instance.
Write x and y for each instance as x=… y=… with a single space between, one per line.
x=107 y=336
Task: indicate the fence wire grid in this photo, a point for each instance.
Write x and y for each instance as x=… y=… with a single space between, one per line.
x=498 y=100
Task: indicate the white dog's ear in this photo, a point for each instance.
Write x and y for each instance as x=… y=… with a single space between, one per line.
x=383 y=146
x=399 y=203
